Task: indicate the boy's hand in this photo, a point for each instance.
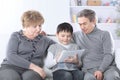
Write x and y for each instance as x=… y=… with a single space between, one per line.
x=73 y=59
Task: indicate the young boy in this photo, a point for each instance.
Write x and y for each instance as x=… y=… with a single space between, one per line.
x=63 y=70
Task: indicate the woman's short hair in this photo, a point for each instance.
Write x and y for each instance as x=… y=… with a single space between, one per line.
x=32 y=17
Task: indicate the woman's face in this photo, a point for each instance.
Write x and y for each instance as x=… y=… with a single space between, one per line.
x=33 y=31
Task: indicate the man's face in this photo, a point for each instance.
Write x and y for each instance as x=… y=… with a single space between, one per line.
x=86 y=25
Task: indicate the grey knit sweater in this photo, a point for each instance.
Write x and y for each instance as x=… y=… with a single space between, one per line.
x=100 y=46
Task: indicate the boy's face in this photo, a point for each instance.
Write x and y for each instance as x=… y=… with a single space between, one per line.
x=64 y=37
x=86 y=25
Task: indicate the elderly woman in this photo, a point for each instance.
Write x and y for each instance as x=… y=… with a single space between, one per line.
x=26 y=50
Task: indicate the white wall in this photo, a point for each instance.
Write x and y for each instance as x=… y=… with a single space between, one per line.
x=54 y=12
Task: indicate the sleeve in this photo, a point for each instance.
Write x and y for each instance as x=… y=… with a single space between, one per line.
x=52 y=48
x=117 y=58
x=79 y=56
x=50 y=61
x=51 y=41
x=73 y=38
x=48 y=43
x=12 y=52
x=108 y=49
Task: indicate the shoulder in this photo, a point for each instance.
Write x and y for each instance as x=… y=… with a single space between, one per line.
x=102 y=33
x=78 y=36
x=105 y=34
x=77 y=33
x=16 y=34
x=46 y=39
x=15 y=37
x=53 y=46
x=106 y=37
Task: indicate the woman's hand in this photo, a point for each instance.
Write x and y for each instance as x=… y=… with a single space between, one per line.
x=38 y=69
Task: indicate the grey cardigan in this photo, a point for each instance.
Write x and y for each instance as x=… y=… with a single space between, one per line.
x=22 y=51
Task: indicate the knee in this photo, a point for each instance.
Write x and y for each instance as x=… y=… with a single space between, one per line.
x=31 y=75
x=89 y=77
x=62 y=75
x=112 y=76
x=67 y=76
x=109 y=77
x=9 y=75
x=79 y=75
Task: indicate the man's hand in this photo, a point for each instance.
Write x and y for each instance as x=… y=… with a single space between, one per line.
x=98 y=75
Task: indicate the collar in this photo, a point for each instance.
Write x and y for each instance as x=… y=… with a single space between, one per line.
x=35 y=39
x=94 y=30
x=66 y=46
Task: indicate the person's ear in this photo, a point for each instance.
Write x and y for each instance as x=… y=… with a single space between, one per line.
x=95 y=21
x=56 y=34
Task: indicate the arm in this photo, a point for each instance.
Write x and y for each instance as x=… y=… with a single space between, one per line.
x=50 y=61
x=108 y=52
x=12 y=52
x=38 y=69
x=74 y=60
x=14 y=58
x=77 y=58
x=117 y=58
x=107 y=57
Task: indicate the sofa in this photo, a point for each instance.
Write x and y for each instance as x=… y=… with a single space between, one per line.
x=5 y=38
